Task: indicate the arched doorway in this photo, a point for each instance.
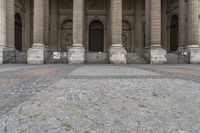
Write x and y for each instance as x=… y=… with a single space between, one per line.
x=174 y=33
x=126 y=36
x=96 y=37
x=67 y=36
x=18 y=32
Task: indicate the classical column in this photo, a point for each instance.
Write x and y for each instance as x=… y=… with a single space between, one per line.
x=2 y=28
x=10 y=24
x=193 y=31
x=117 y=54
x=76 y=55
x=36 y=53
x=157 y=53
x=182 y=25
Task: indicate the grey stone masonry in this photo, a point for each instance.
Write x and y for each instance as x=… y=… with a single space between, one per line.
x=36 y=53
x=2 y=28
x=193 y=31
x=157 y=53
x=76 y=55
x=117 y=53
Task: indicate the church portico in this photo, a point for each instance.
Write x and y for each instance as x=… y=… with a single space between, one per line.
x=101 y=31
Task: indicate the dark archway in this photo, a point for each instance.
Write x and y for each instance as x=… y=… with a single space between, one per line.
x=174 y=34
x=18 y=32
x=96 y=37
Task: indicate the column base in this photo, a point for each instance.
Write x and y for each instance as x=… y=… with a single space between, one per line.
x=194 y=54
x=117 y=55
x=76 y=54
x=158 y=55
x=36 y=54
x=1 y=55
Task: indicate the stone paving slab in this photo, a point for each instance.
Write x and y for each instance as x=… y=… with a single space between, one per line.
x=99 y=99
x=19 y=82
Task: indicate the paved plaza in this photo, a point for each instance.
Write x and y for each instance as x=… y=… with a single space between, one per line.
x=99 y=98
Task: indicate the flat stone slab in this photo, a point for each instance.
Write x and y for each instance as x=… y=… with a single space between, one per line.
x=112 y=99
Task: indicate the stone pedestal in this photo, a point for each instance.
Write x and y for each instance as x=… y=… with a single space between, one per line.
x=117 y=55
x=194 y=54
x=36 y=54
x=1 y=55
x=76 y=55
x=158 y=55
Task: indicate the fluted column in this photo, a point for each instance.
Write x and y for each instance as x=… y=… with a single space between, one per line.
x=76 y=55
x=11 y=24
x=193 y=31
x=2 y=28
x=157 y=54
x=182 y=24
x=117 y=52
x=36 y=54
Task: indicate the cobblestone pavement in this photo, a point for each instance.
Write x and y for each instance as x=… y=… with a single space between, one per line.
x=100 y=99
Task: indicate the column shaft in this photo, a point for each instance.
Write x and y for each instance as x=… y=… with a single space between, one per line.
x=36 y=54
x=116 y=22
x=157 y=54
x=193 y=31
x=38 y=22
x=78 y=22
x=155 y=23
x=193 y=23
x=117 y=53
x=76 y=55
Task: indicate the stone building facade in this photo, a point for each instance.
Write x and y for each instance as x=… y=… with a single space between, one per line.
x=99 y=31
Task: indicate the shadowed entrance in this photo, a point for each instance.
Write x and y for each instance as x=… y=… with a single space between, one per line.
x=96 y=39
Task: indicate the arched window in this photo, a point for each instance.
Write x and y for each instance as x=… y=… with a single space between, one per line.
x=174 y=33
x=18 y=32
x=96 y=36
